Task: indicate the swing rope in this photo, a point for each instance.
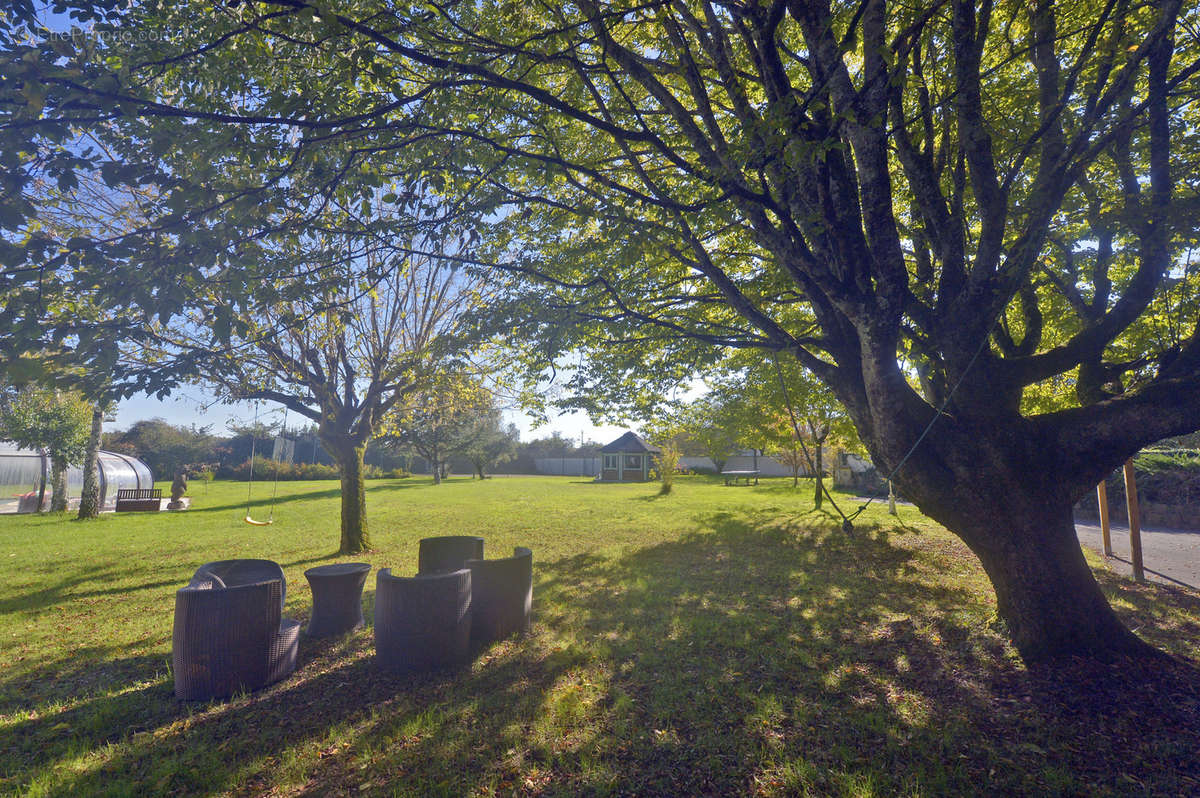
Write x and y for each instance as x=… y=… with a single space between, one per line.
x=848 y=520
x=250 y=485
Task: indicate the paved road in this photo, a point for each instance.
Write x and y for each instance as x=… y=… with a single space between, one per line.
x=1171 y=556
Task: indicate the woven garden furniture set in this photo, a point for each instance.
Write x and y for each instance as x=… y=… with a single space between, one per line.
x=230 y=633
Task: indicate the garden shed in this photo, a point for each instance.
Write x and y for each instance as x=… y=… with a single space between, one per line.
x=627 y=459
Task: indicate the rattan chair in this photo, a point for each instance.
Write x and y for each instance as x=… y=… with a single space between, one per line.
x=231 y=637
x=447 y=553
x=501 y=596
x=232 y=573
x=422 y=622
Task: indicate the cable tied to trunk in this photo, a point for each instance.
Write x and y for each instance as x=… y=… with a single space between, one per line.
x=848 y=520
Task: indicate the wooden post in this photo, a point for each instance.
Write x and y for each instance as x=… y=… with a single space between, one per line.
x=891 y=498
x=1102 y=501
x=1135 y=523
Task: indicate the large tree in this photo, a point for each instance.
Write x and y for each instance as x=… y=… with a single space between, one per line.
x=917 y=178
x=449 y=414
x=348 y=328
x=937 y=208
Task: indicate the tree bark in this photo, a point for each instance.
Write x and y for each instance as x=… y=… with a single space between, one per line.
x=354 y=498
x=58 y=491
x=41 y=497
x=89 y=500
x=1045 y=591
x=818 y=495
x=1005 y=501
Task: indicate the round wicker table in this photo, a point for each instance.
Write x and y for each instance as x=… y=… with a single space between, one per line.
x=337 y=597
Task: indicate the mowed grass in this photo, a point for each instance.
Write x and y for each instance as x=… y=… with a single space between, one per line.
x=717 y=641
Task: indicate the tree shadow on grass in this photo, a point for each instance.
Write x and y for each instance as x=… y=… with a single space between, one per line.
x=268 y=501
x=764 y=657
x=382 y=486
x=333 y=555
x=66 y=588
x=758 y=655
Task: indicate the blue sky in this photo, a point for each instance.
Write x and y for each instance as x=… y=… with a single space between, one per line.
x=193 y=405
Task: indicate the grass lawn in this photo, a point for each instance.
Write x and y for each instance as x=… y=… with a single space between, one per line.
x=717 y=641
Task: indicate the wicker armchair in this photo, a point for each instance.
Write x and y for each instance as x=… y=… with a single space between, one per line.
x=501 y=596
x=424 y=621
x=447 y=553
x=231 y=637
x=246 y=572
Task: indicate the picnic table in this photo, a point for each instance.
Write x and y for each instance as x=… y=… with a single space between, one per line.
x=732 y=477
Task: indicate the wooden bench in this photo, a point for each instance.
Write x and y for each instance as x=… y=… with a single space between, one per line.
x=145 y=500
x=732 y=477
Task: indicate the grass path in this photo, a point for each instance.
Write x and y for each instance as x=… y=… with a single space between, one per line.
x=717 y=641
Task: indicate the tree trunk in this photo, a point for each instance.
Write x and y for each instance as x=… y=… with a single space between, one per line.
x=41 y=497
x=89 y=500
x=1045 y=591
x=354 y=499
x=1003 y=500
x=819 y=493
x=437 y=470
x=58 y=491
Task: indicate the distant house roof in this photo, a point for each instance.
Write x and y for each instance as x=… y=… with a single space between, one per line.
x=630 y=443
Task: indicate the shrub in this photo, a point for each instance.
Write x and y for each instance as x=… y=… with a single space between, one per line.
x=668 y=461
x=268 y=469
x=1157 y=462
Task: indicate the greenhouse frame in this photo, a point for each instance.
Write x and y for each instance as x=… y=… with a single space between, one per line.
x=23 y=470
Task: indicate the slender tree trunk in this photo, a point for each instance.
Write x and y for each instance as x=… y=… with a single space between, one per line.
x=437 y=470
x=58 y=491
x=41 y=497
x=89 y=501
x=354 y=498
x=819 y=491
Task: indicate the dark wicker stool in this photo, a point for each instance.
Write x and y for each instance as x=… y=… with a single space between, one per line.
x=424 y=621
x=447 y=553
x=337 y=597
x=501 y=596
x=230 y=638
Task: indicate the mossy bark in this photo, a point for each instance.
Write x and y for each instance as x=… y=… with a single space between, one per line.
x=354 y=499
x=819 y=490
x=58 y=490
x=89 y=500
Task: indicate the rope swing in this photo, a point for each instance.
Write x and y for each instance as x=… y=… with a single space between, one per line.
x=250 y=484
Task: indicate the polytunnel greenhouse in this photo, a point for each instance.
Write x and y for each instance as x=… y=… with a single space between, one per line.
x=23 y=470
